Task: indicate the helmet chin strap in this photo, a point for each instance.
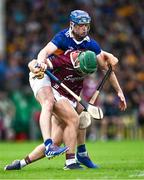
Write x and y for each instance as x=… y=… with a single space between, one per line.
x=71 y=26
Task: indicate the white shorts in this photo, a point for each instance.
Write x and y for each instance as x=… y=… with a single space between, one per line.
x=37 y=84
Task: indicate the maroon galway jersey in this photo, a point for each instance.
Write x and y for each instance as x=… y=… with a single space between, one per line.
x=64 y=70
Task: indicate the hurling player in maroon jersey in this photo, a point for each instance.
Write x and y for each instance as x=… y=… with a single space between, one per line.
x=69 y=68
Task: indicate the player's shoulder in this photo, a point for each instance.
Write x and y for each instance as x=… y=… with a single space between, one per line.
x=61 y=39
x=93 y=45
x=92 y=40
x=64 y=32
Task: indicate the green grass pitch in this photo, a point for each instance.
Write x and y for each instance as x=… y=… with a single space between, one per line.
x=117 y=160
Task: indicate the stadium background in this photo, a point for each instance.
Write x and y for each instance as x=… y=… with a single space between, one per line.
x=27 y=25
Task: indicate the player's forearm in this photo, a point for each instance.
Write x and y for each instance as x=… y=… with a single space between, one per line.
x=105 y=59
x=42 y=56
x=114 y=82
x=49 y=49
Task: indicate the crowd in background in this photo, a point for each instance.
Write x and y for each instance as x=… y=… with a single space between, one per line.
x=116 y=25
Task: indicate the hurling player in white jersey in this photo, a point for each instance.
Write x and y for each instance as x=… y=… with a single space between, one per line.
x=75 y=37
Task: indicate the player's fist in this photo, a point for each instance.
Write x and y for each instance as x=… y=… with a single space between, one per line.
x=41 y=66
x=36 y=67
x=39 y=75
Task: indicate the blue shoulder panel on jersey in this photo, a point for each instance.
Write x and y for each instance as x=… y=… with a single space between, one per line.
x=60 y=39
x=94 y=46
x=63 y=41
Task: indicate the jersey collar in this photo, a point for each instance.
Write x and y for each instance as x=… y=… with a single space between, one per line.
x=78 y=42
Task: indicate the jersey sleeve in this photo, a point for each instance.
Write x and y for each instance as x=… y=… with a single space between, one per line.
x=58 y=40
x=95 y=47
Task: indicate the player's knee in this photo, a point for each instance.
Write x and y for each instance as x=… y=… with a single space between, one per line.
x=74 y=121
x=47 y=104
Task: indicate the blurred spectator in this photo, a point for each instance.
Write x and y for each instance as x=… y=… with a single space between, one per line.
x=14 y=74
x=3 y=69
x=111 y=124
x=140 y=118
x=25 y=107
x=89 y=87
x=7 y=115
